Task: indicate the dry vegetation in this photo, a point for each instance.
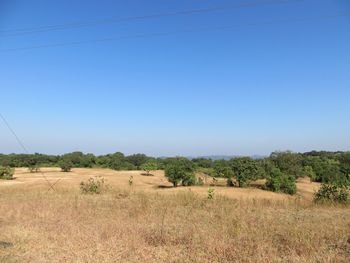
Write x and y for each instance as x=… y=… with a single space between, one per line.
x=150 y=222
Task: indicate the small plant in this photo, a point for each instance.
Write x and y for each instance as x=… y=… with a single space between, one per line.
x=332 y=193
x=131 y=180
x=6 y=173
x=66 y=166
x=211 y=193
x=93 y=186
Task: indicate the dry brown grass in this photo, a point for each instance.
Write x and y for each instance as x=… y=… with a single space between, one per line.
x=145 y=223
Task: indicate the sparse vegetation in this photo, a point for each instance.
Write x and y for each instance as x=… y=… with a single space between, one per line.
x=143 y=227
x=323 y=167
x=93 y=186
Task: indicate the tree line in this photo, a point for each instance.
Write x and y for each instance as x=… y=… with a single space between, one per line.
x=280 y=169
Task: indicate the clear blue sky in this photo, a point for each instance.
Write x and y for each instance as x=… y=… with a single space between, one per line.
x=247 y=90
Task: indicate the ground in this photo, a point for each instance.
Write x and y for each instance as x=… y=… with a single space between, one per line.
x=156 y=183
x=154 y=222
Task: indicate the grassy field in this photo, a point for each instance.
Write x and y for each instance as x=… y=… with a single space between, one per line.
x=153 y=222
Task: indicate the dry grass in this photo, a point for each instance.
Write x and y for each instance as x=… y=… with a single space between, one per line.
x=145 y=223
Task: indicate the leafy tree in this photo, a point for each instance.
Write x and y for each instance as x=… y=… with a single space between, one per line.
x=180 y=170
x=203 y=162
x=137 y=159
x=245 y=170
x=288 y=162
x=149 y=166
x=344 y=160
x=308 y=171
x=116 y=161
x=222 y=168
x=88 y=160
x=281 y=182
x=65 y=165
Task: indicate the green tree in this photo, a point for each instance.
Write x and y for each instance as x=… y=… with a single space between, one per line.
x=65 y=165
x=203 y=162
x=309 y=171
x=281 y=182
x=288 y=162
x=137 y=159
x=149 y=166
x=245 y=170
x=180 y=170
x=222 y=168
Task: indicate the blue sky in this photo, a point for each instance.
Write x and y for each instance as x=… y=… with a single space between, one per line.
x=250 y=89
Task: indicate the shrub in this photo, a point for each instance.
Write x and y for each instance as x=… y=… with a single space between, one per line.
x=332 y=193
x=211 y=193
x=6 y=173
x=149 y=166
x=65 y=165
x=131 y=180
x=281 y=182
x=93 y=186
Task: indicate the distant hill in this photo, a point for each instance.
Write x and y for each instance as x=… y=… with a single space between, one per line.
x=225 y=157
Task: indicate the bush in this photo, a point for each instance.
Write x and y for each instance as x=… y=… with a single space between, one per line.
x=93 y=186
x=65 y=165
x=149 y=166
x=6 y=173
x=281 y=182
x=332 y=193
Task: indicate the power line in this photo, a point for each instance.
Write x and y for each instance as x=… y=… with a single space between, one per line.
x=42 y=29
x=26 y=151
x=14 y=134
x=148 y=35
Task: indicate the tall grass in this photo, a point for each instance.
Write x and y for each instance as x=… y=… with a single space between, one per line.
x=129 y=226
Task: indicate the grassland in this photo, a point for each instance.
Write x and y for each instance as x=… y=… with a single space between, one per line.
x=153 y=222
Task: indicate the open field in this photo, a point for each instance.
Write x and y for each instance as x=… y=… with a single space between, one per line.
x=153 y=222
x=156 y=183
